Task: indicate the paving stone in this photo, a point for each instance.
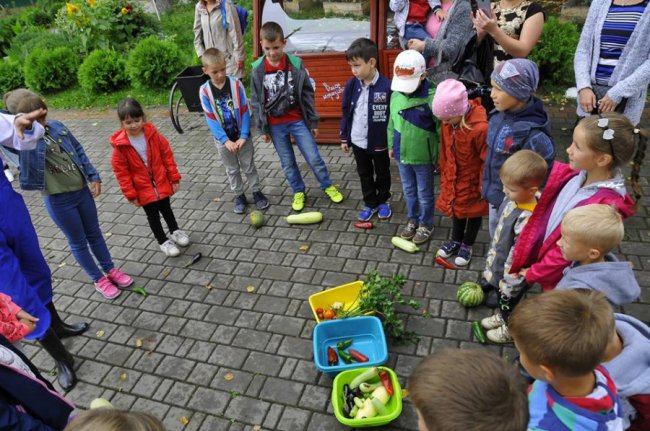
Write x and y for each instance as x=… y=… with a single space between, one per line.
x=279 y=390
x=247 y=410
x=175 y=368
x=293 y=418
x=209 y=401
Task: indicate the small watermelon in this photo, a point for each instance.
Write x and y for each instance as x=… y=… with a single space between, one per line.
x=470 y=294
x=257 y=219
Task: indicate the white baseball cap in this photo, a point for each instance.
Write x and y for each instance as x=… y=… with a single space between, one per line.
x=407 y=70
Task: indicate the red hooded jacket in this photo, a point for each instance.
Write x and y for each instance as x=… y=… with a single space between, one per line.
x=461 y=157
x=146 y=183
x=543 y=256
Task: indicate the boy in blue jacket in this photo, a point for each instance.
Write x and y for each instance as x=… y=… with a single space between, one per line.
x=226 y=111
x=364 y=119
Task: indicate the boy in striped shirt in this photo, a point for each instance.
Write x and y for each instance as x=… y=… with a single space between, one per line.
x=562 y=336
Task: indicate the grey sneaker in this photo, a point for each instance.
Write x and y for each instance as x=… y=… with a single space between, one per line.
x=422 y=235
x=409 y=231
x=261 y=202
x=240 y=204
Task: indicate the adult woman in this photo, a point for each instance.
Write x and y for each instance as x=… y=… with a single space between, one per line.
x=612 y=60
x=216 y=25
x=515 y=26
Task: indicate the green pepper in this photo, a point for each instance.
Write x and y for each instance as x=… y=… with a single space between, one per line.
x=345 y=356
x=478 y=332
x=342 y=345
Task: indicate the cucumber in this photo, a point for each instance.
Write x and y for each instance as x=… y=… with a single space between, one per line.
x=305 y=218
x=404 y=244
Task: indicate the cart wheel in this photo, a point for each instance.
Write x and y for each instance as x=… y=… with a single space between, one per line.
x=181 y=117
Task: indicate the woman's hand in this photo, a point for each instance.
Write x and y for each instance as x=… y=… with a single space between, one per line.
x=484 y=23
x=25 y=121
x=27 y=319
x=416 y=44
x=95 y=189
x=441 y=14
x=587 y=100
x=606 y=104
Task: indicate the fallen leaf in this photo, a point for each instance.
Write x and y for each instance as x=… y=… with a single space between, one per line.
x=138 y=343
x=216 y=200
x=108 y=234
x=62 y=264
x=184 y=420
x=94 y=124
x=405 y=393
x=123 y=377
x=250 y=289
x=304 y=248
x=228 y=376
x=208 y=286
x=564 y=129
x=100 y=333
x=165 y=273
x=257 y=428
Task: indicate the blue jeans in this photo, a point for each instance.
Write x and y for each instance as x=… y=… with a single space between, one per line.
x=75 y=214
x=280 y=133
x=417 y=184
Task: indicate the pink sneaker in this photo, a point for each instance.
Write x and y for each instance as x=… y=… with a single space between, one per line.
x=106 y=288
x=119 y=278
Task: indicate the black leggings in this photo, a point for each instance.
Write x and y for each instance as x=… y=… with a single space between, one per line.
x=153 y=210
x=465 y=230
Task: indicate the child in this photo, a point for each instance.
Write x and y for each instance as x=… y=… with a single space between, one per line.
x=282 y=100
x=60 y=169
x=520 y=123
x=458 y=390
x=562 y=337
x=411 y=17
x=15 y=323
x=366 y=98
x=589 y=234
x=144 y=166
x=413 y=142
x=522 y=175
x=627 y=358
x=107 y=419
x=601 y=146
x=462 y=155
x=226 y=111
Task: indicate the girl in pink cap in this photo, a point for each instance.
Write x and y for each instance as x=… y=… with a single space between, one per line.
x=463 y=147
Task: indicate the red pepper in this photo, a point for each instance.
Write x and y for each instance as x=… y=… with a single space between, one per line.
x=332 y=357
x=385 y=380
x=363 y=225
x=357 y=356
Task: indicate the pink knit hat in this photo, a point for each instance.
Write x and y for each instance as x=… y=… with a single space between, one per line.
x=450 y=99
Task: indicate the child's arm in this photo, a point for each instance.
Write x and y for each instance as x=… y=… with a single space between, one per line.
x=311 y=116
x=549 y=268
x=481 y=146
x=390 y=130
x=168 y=160
x=21 y=132
x=256 y=101
x=345 y=111
x=397 y=5
x=245 y=130
x=88 y=168
x=120 y=166
x=510 y=284
x=11 y=326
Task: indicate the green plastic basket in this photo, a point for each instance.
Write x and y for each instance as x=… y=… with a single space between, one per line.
x=393 y=407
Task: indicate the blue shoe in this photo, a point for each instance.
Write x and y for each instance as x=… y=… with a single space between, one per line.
x=240 y=204
x=261 y=202
x=367 y=213
x=384 y=212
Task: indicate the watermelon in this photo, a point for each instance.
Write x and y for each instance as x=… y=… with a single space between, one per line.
x=470 y=294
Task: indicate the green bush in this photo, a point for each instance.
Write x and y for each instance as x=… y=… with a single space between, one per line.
x=102 y=71
x=555 y=50
x=7 y=32
x=11 y=75
x=26 y=42
x=154 y=63
x=51 y=70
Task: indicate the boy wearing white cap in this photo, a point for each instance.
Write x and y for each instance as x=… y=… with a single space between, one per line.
x=413 y=142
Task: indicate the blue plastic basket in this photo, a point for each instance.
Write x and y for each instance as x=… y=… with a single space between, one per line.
x=367 y=336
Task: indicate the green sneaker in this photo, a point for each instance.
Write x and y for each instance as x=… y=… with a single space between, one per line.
x=298 y=201
x=334 y=194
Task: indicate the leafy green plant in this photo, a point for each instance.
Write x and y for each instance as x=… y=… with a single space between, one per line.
x=380 y=295
x=555 y=50
x=51 y=70
x=7 y=32
x=11 y=75
x=154 y=63
x=26 y=42
x=102 y=71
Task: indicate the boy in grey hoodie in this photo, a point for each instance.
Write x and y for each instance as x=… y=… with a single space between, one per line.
x=589 y=234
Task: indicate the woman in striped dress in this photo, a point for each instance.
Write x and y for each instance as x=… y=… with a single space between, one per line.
x=612 y=61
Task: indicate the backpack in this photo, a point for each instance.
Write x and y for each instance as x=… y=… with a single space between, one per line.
x=242 y=14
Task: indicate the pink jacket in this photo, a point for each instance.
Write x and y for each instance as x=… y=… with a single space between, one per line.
x=544 y=257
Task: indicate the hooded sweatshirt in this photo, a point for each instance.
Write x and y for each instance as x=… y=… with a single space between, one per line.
x=613 y=278
x=631 y=368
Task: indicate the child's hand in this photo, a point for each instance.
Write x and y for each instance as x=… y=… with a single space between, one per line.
x=391 y=154
x=415 y=44
x=135 y=202
x=27 y=319
x=267 y=138
x=95 y=189
x=345 y=148
x=25 y=121
x=240 y=143
x=175 y=187
x=441 y=14
x=523 y=272
x=231 y=146
x=314 y=133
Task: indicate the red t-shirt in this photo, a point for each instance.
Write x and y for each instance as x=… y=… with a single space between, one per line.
x=418 y=11
x=274 y=82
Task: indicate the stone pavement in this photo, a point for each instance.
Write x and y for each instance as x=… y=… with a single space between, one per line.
x=174 y=352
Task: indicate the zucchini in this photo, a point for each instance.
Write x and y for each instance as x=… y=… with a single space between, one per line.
x=404 y=244
x=381 y=409
x=364 y=377
x=305 y=218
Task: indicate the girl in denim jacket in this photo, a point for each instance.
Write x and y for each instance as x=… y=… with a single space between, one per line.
x=60 y=169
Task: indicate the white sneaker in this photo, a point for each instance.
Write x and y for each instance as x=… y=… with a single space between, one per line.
x=494 y=321
x=169 y=248
x=500 y=335
x=180 y=238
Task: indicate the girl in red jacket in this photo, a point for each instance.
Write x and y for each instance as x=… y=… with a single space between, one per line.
x=463 y=148
x=144 y=166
